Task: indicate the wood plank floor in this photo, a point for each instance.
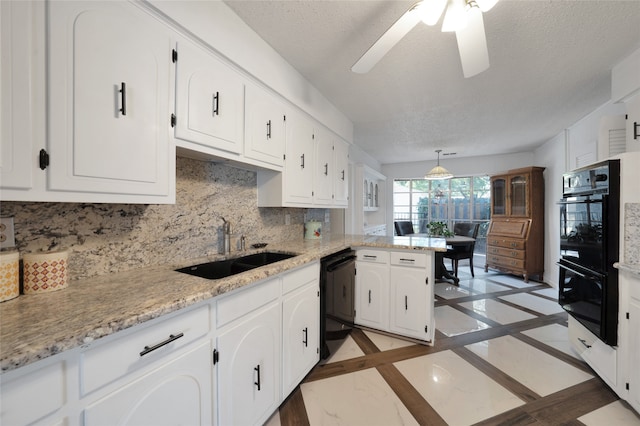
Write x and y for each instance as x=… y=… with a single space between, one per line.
x=564 y=406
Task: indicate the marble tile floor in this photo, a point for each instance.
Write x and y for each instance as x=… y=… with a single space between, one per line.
x=501 y=356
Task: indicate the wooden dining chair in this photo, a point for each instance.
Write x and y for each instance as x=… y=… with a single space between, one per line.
x=403 y=227
x=457 y=253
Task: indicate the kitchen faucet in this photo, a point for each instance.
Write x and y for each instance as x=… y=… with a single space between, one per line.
x=226 y=230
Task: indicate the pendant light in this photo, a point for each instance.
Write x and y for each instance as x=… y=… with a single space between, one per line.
x=438 y=172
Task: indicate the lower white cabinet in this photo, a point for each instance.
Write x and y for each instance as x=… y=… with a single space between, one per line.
x=411 y=303
x=634 y=354
x=394 y=292
x=300 y=335
x=372 y=289
x=178 y=392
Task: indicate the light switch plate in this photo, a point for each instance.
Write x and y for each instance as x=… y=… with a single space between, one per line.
x=7 y=236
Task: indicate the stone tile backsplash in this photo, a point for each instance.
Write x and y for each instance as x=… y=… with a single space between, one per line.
x=106 y=238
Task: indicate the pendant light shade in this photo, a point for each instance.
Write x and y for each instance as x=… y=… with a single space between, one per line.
x=438 y=172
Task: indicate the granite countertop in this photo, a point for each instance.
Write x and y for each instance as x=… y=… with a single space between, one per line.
x=38 y=326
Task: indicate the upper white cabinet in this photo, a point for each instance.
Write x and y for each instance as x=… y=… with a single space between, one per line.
x=209 y=100
x=16 y=124
x=341 y=177
x=109 y=96
x=265 y=119
x=311 y=172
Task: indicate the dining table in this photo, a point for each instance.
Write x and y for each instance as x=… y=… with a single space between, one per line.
x=441 y=271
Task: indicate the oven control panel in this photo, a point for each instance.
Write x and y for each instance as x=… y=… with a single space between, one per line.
x=593 y=179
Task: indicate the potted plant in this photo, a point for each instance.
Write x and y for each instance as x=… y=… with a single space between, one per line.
x=439 y=229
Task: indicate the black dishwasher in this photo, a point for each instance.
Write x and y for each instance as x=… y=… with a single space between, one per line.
x=337 y=287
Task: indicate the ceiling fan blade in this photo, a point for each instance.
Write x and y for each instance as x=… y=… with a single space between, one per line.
x=386 y=41
x=472 y=45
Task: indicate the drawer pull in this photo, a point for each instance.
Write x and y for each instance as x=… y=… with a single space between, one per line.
x=171 y=338
x=407 y=260
x=257 y=369
x=584 y=342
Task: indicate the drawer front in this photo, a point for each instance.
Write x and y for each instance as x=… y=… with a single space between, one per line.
x=506 y=242
x=373 y=256
x=418 y=260
x=505 y=261
x=240 y=303
x=299 y=277
x=112 y=359
x=506 y=252
x=29 y=397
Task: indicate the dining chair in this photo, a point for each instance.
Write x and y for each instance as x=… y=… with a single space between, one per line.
x=461 y=252
x=403 y=227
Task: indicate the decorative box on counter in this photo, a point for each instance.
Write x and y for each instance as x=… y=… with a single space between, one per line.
x=45 y=272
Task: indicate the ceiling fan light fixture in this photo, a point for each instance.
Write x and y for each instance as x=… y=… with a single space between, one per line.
x=431 y=10
x=455 y=18
x=438 y=172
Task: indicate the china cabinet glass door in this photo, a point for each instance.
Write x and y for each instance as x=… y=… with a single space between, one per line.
x=499 y=193
x=518 y=199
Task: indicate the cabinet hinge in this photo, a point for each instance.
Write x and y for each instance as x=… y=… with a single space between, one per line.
x=284 y=156
x=318 y=293
x=44 y=159
x=626 y=385
x=284 y=118
x=426 y=281
x=216 y=356
x=173 y=120
x=627 y=315
x=174 y=55
x=426 y=328
x=313 y=136
x=355 y=272
x=626 y=116
x=317 y=350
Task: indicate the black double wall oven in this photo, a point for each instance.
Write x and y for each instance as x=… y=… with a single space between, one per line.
x=589 y=245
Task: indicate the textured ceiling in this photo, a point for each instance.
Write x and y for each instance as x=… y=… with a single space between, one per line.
x=550 y=66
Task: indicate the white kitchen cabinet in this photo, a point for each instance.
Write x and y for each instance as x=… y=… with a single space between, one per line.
x=411 y=306
x=109 y=103
x=324 y=170
x=300 y=332
x=394 y=292
x=36 y=393
x=634 y=354
x=248 y=355
x=16 y=121
x=179 y=392
x=265 y=119
x=368 y=197
x=372 y=289
x=341 y=175
x=209 y=100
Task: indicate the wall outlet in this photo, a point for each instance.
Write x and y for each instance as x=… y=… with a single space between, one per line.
x=7 y=236
x=287 y=219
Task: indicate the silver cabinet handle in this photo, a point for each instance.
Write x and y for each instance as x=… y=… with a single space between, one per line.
x=171 y=338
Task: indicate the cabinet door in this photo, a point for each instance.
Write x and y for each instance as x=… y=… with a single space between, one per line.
x=209 y=100
x=298 y=167
x=519 y=195
x=264 y=126
x=248 y=372
x=341 y=175
x=301 y=336
x=372 y=295
x=109 y=96
x=16 y=126
x=179 y=392
x=409 y=302
x=634 y=353
x=498 y=196
x=324 y=171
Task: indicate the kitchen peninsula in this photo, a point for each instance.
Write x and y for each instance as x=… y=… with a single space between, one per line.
x=39 y=329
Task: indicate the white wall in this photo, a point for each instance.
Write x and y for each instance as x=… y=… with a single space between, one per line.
x=552 y=156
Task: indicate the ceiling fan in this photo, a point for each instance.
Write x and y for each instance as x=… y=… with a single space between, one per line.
x=464 y=17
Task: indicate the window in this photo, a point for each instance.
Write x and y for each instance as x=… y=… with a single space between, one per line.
x=462 y=199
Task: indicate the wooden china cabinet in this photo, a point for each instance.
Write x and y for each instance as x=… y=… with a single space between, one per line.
x=515 y=239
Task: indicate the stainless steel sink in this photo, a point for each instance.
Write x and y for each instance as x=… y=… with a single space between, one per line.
x=225 y=268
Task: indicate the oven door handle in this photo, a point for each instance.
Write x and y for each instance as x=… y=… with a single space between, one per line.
x=333 y=266
x=580 y=274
